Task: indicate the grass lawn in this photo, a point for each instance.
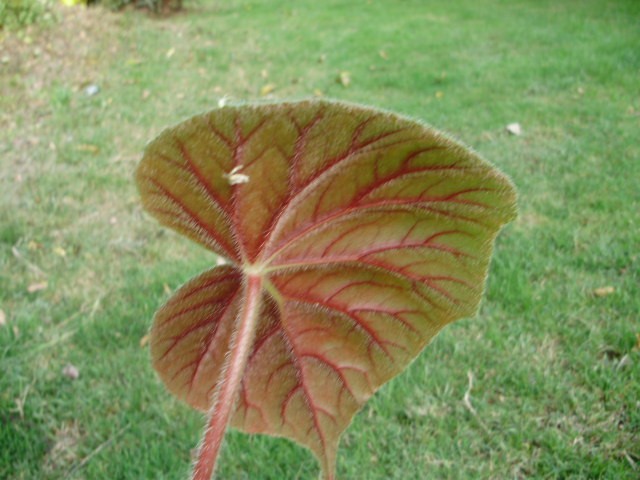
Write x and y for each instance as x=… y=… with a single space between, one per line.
x=554 y=355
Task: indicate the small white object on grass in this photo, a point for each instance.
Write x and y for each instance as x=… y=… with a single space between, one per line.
x=514 y=129
x=92 y=90
x=71 y=371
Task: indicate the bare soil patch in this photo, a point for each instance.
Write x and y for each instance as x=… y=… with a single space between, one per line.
x=72 y=51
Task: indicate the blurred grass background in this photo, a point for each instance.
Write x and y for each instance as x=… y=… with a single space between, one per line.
x=554 y=354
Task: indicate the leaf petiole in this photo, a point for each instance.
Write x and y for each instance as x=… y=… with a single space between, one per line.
x=223 y=400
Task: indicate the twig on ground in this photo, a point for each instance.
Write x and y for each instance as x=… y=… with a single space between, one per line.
x=34 y=268
x=96 y=450
x=467 y=403
x=467 y=395
x=22 y=399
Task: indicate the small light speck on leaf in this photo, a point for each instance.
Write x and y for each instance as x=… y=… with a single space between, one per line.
x=171 y=52
x=383 y=55
x=59 y=251
x=235 y=177
x=514 y=129
x=71 y=371
x=604 y=291
x=3 y=318
x=221 y=261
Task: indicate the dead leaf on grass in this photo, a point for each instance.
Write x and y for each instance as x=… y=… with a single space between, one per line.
x=33 y=245
x=383 y=55
x=514 y=129
x=604 y=291
x=144 y=340
x=344 y=79
x=87 y=147
x=71 y=371
x=36 y=287
x=267 y=89
x=59 y=251
x=3 y=318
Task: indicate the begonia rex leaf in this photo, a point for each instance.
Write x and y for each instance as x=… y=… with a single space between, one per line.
x=351 y=237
